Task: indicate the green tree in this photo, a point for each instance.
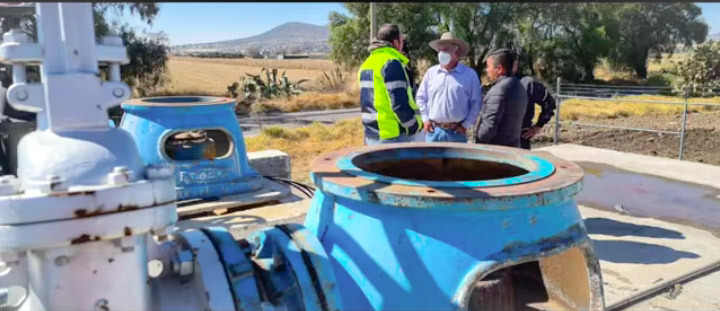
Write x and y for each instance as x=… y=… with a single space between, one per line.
x=350 y=35
x=651 y=29
x=583 y=34
x=147 y=70
x=484 y=26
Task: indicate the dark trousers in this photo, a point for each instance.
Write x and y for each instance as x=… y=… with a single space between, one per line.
x=524 y=143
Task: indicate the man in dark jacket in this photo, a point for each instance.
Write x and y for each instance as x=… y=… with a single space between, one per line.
x=504 y=104
x=539 y=95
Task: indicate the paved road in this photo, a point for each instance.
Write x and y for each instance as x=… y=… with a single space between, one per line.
x=252 y=126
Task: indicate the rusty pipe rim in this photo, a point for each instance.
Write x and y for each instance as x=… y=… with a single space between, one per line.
x=536 y=167
x=178 y=101
x=555 y=180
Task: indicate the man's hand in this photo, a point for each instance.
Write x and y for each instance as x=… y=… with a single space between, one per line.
x=428 y=127
x=460 y=130
x=532 y=132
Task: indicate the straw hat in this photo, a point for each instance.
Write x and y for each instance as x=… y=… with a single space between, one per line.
x=447 y=37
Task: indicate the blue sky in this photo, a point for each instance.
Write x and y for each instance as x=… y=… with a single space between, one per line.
x=208 y=22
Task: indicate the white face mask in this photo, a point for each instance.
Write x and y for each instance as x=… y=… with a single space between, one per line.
x=444 y=58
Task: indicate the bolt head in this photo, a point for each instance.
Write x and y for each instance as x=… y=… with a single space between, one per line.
x=155 y=268
x=118 y=92
x=9 y=185
x=120 y=169
x=52 y=183
x=22 y=95
x=120 y=175
x=62 y=260
x=184 y=263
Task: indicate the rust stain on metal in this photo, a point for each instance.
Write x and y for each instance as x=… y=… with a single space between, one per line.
x=573 y=234
x=128 y=207
x=71 y=194
x=84 y=239
x=83 y=213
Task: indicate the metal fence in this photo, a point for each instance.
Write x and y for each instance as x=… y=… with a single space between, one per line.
x=613 y=108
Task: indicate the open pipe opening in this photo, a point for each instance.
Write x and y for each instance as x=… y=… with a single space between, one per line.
x=558 y=282
x=443 y=169
x=440 y=164
x=198 y=145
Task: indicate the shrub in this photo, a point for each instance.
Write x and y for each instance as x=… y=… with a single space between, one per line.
x=700 y=73
x=334 y=82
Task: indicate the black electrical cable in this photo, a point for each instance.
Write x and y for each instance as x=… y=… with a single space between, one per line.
x=295 y=182
x=307 y=190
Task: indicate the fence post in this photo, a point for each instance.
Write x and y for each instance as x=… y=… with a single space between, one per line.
x=557 y=112
x=682 y=126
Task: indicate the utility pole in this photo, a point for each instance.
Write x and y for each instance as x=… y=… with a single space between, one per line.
x=373 y=21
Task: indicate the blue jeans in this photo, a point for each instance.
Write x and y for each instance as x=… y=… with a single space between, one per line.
x=439 y=134
x=399 y=139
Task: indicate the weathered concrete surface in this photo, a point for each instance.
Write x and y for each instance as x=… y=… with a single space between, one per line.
x=690 y=172
x=273 y=163
x=637 y=252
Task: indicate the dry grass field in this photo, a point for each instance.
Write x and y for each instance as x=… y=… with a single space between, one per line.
x=577 y=109
x=209 y=76
x=306 y=143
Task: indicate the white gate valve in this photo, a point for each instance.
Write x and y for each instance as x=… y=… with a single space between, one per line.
x=87 y=226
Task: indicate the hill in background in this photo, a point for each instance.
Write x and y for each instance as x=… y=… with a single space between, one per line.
x=291 y=38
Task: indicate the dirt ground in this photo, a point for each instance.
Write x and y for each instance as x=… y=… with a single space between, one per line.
x=702 y=141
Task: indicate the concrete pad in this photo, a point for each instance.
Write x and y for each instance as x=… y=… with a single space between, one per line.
x=690 y=172
x=635 y=253
x=273 y=163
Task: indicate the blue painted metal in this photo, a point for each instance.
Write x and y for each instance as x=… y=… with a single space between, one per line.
x=284 y=267
x=420 y=245
x=152 y=120
x=238 y=268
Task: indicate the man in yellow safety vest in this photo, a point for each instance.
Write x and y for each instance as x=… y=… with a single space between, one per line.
x=389 y=112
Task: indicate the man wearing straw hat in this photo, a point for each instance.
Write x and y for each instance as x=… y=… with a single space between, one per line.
x=450 y=94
